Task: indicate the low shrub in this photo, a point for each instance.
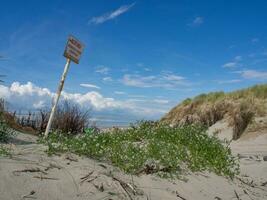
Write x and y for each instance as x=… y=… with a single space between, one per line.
x=5 y=130
x=70 y=118
x=152 y=147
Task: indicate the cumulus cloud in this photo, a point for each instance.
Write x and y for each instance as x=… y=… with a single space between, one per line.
x=93 y=99
x=87 y=85
x=165 y=80
x=111 y=15
x=26 y=96
x=29 y=96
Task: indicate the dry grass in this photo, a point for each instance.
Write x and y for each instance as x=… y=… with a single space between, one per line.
x=239 y=107
x=70 y=119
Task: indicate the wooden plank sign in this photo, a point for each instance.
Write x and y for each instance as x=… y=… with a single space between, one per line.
x=74 y=49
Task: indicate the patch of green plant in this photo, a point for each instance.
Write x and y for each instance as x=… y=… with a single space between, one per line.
x=4 y=151
x=168 y=148
x=5 y=131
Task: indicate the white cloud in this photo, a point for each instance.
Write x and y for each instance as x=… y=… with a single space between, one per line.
x=29 y=96
x=253 y=74
x=142 y=65
x=93 y=99
x=26 y=96
x=137 y=96
x=119 y=92
x=229 y=81
x=39 y=105
x=111 y=15
x=197 y=21
x=165 y=80
x=161 y=101
x=147 y=69
x=107 y=79
x=172 y=77
x=102 y=70
x=230 y=65
x=238 y=58
x=235 y=63
x=87 y=85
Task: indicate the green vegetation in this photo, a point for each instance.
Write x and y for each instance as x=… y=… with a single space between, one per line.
x=5 y=131
x=152 y=147
x=4 y=151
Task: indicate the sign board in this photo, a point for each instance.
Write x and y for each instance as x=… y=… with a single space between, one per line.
x=73 y=49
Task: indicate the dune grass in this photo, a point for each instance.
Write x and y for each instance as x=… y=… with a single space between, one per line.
x=238 y=107
x=257 y=91
x=152 y=147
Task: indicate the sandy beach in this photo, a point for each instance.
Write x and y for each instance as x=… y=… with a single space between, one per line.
x=31 y=174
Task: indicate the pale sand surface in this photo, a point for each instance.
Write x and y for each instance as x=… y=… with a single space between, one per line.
x=107 y=182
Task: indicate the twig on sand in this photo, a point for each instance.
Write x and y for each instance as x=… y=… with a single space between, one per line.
x=92 y=179
x=237 y=196
x=99 y=187
x=44 y=177
x=178 y=195
x=246 y=192
x=124 y=187
x=102 y=165
x=84 y=178
x=52 y=165
x=29 y=195
x=29 y=170
x=246 y=183
x=251 y=184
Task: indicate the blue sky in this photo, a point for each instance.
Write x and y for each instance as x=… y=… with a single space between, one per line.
x=141 y=57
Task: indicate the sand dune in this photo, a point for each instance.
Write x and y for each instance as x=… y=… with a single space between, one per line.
x=31 y=173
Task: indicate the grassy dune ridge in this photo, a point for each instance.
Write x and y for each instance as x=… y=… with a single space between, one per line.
x=238 y=107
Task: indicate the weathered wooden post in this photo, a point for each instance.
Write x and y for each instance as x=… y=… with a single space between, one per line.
x=72 y=52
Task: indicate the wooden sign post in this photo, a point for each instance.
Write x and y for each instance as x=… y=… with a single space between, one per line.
x=72 y=52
